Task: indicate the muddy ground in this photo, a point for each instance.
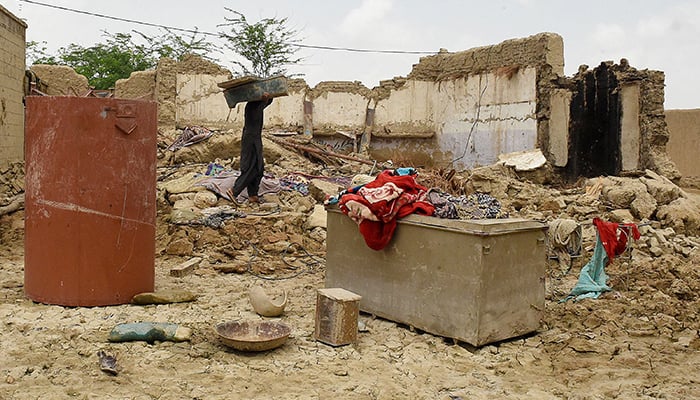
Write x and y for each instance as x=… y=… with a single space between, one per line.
x=640 y=341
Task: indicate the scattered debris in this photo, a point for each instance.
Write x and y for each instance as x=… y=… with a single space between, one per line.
x=108 y=363
x=16 y=203
x=167 y=296
x=653 y=296
x=321 y=152
x=524 y=160
x=186 y=267
x=189 y=136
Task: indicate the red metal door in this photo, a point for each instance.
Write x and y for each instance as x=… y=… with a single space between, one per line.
x=90 y=199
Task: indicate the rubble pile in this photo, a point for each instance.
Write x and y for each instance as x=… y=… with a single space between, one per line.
x=645 y=330
x=294 y=223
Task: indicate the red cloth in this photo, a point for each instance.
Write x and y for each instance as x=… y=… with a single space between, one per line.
x=387 y=198
x=613 y=243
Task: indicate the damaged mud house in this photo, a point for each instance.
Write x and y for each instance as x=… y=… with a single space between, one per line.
x=111 y=238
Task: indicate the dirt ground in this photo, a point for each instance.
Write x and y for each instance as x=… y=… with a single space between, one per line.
x=640 y=341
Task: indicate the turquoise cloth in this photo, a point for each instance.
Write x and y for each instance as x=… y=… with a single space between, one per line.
x=405 y=171
x=592 y=281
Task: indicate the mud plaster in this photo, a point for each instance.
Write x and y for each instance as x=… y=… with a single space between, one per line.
x=533 y=51
x=61 y=80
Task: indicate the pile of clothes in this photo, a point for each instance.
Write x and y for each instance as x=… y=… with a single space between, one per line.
x=377 y=205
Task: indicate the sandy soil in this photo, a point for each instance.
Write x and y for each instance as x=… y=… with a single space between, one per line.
x=640 y=341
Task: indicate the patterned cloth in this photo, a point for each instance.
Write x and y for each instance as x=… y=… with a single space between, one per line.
x=295 y=182
x=224 y=181
x=474 y=206
x=189 y=136
x=377 y=205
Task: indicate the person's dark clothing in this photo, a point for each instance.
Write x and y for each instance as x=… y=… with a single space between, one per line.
x=252 y=164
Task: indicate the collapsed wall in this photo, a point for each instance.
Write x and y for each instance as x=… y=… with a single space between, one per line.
x=466 y=108
x=453 y=110
x=60 y=80
x=178 y=87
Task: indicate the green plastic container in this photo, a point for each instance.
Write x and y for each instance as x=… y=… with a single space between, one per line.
x=251 y=88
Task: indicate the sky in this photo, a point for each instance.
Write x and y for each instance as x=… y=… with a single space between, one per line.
x=651 y=34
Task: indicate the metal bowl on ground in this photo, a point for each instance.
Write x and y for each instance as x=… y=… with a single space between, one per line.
x=253 y=335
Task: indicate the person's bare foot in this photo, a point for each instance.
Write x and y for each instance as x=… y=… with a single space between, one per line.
x=254 y=199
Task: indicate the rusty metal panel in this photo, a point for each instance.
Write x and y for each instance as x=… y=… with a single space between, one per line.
x=90 y=199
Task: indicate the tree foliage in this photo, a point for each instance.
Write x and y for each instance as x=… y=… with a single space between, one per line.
x=37 y=51
x=268 y=46
x=105 y=63
x=120 y=55
x=176 y=46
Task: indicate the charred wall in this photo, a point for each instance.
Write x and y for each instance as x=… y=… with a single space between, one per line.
x=617 y=124
x=595 y=124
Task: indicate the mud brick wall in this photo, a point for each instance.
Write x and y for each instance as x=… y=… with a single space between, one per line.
x=653 y=129
x=468 y=107
x=454 y=109
x=684 y=141
x=61 y=80
x=12 y=55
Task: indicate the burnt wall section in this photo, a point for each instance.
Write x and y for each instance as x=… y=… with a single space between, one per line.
x=595 y=125
x=617 y=122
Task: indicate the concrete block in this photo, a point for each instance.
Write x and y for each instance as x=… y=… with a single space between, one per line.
x=337 y=312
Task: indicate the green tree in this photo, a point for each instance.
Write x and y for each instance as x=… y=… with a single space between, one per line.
x=37 y=51
x=269 y=45
x=105 y=63
x=176 y=46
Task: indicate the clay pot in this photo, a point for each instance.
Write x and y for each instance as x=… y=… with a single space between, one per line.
x=264 y=304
